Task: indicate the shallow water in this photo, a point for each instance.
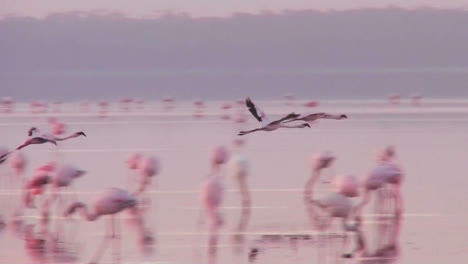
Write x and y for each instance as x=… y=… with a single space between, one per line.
x=431 y=142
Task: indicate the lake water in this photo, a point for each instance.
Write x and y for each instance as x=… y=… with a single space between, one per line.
x=431 y=142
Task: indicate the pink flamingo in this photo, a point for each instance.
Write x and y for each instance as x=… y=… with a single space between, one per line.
x=7 y=104
x=4 y=152
x=124 y=102
x=394 y=99
x=384 y=183
x=266 y=124
x=57 y=127
x=104 y=107
x=18 y=163
x=148 y=167
x=336 y=204
x=416 y=99
x=110 y=202
x=239 y=169
x=316 y=116
x=132 y=161
x=311 y=103
x=211 y=197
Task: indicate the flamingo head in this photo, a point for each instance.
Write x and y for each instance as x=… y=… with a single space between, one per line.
x=80 y=134
x=322 y=160
x=343 y=117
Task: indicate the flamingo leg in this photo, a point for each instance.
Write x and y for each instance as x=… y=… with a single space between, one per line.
x=104 y=244
x=116 y=237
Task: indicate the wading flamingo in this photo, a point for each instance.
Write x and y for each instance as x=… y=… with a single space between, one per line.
x=110 y=202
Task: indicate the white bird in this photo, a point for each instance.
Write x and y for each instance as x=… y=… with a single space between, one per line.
x=266 y=124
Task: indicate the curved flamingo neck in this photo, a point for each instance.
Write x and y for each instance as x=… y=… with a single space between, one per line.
x=84 y=211
x=308 y=189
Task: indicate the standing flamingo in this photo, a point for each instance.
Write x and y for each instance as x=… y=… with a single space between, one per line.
x=211 y=197
x=383 y=185
x=110 y=202
x=336 y=204
x=239 y=169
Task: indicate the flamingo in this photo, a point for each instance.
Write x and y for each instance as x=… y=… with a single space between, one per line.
x=266 y=124
x=336 y=204
x=46 y=137
x=4 y=152
x=316 y=116
x=148 y=167
x=110 y=203
x=384 y=183
x=18 y=163
x=211 y=196
x=239 y=169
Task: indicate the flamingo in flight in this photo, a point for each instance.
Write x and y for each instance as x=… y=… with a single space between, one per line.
x=266 y=124
x=316 y=116
x=45 y=137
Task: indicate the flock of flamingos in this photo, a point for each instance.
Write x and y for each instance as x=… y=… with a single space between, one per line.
x=49 y=183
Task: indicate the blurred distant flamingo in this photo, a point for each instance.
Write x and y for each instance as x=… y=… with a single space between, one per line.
x=110 y=202
x=211 y=197
x=6 y=104
x=267 y=125
x=18 y=163
x=394 y=99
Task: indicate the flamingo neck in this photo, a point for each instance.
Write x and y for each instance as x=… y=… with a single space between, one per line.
x=308 y=190
x=65 y=138
x=85 y=212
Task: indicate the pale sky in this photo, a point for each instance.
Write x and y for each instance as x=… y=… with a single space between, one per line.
x=200 y=8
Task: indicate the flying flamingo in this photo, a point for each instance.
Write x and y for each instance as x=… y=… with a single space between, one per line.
x=211 y=197
x=4 y=152
x=336 y=204
x=110 y=202
x=267 y=125
x=46 y=137
x=316 y=116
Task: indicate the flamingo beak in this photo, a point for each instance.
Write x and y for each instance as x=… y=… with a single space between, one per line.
x=82 y=133
x=344 y=116
x=53 y=142
x=306 y=125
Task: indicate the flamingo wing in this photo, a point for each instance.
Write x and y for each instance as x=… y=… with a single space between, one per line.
x=254 y=110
